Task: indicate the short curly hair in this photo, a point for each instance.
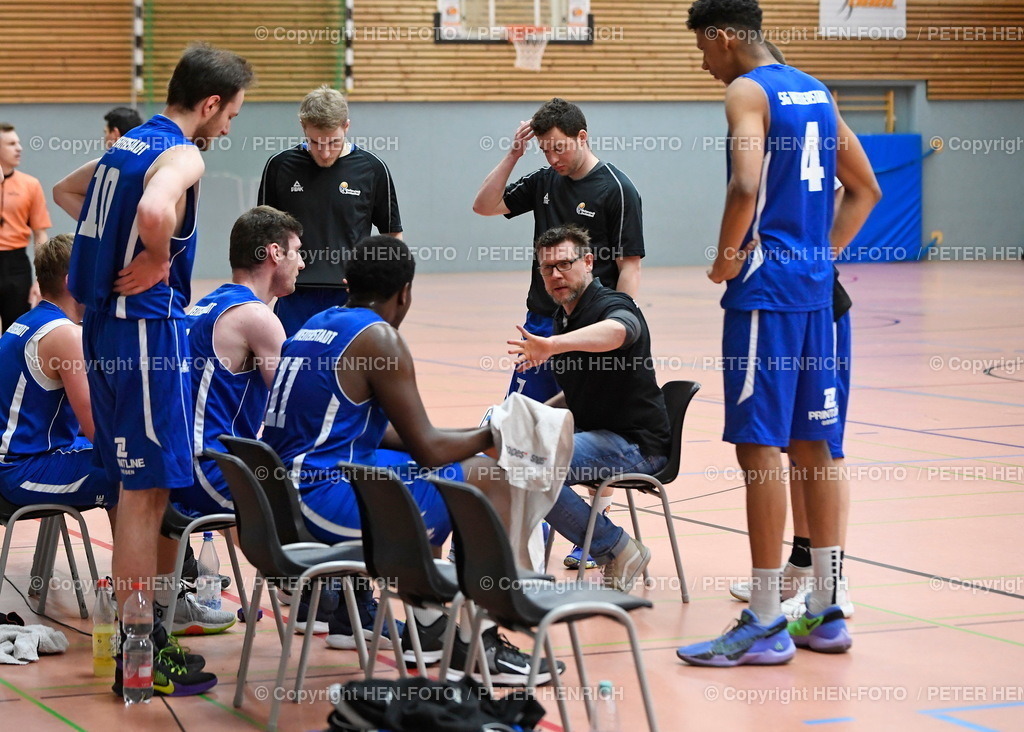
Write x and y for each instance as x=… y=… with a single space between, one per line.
x=745 y=14
x=379 y=266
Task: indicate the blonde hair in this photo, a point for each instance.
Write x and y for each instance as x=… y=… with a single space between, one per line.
x=324 y=108
x=52 y=260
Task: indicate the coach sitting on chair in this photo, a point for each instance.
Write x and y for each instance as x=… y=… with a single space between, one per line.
x=601 y=357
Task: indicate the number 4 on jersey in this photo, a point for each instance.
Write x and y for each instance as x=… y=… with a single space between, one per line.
x=810 y=158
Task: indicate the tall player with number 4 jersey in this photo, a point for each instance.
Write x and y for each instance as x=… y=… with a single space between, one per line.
x=775 y=252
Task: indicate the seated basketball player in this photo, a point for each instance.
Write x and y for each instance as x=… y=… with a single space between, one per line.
x=46 y=449
x=235 y=341
x=346 y=388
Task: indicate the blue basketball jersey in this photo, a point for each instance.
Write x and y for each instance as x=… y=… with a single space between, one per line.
x=224 y=402
x=35 y=414
x=107 y=239
x=310 y=421
x=790 y=266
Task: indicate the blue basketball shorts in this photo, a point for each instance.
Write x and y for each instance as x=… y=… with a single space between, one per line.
x=779 y=371
x=330 y=510
x=67 y=476
x=141 y=398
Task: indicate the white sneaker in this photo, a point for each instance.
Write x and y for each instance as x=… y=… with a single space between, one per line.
x=795 y=607
x=793 y=580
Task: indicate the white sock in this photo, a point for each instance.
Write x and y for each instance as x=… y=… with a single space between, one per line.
x=827 y=564
x=765 y=596
x=602 y=502
x=164 y=589
x=426 y=615
x=465 y=630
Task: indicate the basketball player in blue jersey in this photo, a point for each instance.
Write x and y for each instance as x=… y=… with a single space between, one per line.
x=235 y=343
x=44 y=398
x=337 y=191
x=787 y=143
x=576 y=188
x=346 y=388
x=131 y=267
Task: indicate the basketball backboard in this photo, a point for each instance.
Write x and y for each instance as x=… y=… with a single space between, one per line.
x=487 y=21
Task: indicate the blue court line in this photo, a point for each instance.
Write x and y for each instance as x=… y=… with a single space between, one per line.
x=948 y=437
x=828 y=721
x=986 y=427
x=945 y=715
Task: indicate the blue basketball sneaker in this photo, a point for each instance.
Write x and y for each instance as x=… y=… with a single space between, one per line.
x=825 y=632
x=572 y=559
x=747 y=642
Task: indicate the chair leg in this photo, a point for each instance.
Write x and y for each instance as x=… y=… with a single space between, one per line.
x=275 y=607
x=547 y=549
x=49 y=561
x=684 y=591
x=354 y=620
x=250 y=633
x=44 y=540
x=476 y=652
x=414 y=634
x=585 y=552
x=307 y=638
x=8 y=534
x=83 y=611
x=179 y=560
x=581 y=670
x=563 y=709
x=638 y=663
x=236 y=569
x=449 y=635
x=282 y=668
x=396 y=647
x=636 y=531
x=378 y=626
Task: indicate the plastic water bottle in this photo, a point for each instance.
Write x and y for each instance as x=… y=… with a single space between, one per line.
x=137 y=620
x=104 y=630
x=606 y=716
x=208 y=581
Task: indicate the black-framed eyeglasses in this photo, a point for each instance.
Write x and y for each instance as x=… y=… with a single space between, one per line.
x=546 y=270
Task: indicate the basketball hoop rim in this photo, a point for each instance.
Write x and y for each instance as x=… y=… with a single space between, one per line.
x=528 y=33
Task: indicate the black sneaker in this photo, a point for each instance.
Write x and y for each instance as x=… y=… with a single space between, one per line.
x=170 y=648
x=171 y=678
x=431 y=642
x=190 y=572
x=508 y=665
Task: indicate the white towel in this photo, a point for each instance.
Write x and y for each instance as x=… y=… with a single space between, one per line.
x=21 y=644
x=535 y=444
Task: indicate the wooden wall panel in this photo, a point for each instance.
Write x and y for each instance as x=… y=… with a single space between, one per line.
x=73 y=51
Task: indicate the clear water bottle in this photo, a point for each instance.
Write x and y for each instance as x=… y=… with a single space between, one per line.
x=606 y=715
x=137 y=651
x=104 y=632
x=208 y=581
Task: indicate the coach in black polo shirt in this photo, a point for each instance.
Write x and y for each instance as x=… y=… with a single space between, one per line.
x=600 y=353
x=337 y=191
x=576 y=188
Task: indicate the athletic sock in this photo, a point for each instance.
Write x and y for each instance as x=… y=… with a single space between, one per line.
x=801 y=554
x=466 y=630
x=163 y=592
x=765 y=600
x=602 y=502
x=426 y=615
x=827 y=563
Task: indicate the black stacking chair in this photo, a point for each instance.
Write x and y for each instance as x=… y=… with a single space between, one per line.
x=483 y=552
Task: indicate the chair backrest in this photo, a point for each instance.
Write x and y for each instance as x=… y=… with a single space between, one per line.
x=395 y=544
x=483 y=555
x=257 y=532
x=277 y=485
x=678 y=395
